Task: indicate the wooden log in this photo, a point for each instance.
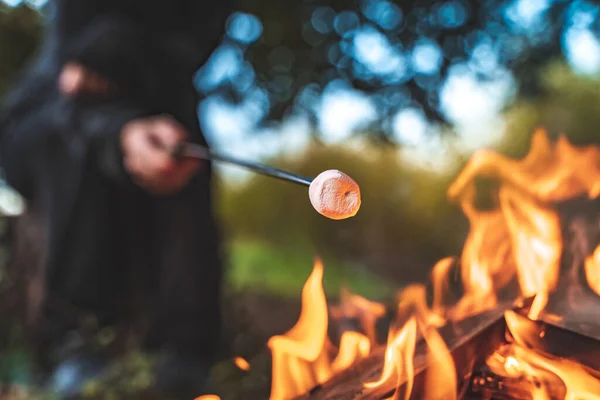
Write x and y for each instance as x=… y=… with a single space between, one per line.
x=549 y=339
x=486 y=385
x=574 y=306
x=469 y=341
x=469 y=353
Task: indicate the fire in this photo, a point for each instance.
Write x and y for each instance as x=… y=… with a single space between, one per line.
x=242 y=363
x=551 y=172
x=592 y=271
x=542 y=370
x=301 y=356
x=399 y=358
x=353 y=346
x=439 y=275
x=300 y=360
x=579 y=384
x=519 y=241
x=366 y=311
x=401 y=348
x=522 y=235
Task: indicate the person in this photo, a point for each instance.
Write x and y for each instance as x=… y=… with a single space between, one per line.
x=143 y=140
x=128 y=234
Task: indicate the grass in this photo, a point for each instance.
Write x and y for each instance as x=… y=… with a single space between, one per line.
x=261 y=267
x=254 y=266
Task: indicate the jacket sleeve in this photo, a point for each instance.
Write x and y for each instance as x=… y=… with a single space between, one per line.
x=35 y=113
x=100 y=124
x=24 y=117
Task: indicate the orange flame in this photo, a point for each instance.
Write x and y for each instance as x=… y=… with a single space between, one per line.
x=353 y=346
x=592 y=271
x=242 y=363
x=300 y=356
x=439 y=275
x=522 y=236
x=519 y=241
x=439 y=363
x=479 y=265
x=399 y=354
x=399 y=358
x=551 y=172
x=355 y=306
x=580 y=384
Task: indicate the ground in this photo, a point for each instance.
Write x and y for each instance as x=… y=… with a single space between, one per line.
x=247 y=330
x=262 y=300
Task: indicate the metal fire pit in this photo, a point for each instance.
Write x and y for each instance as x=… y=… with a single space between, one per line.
x=468 y=340
x=471 y=342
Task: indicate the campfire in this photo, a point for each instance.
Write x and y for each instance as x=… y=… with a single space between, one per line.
x=517 y=316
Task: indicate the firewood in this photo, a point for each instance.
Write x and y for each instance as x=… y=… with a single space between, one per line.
x=469 y=341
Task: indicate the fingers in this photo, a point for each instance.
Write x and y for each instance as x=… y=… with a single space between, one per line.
x=163 y=134
x=173 y=181
x=146 y=156
x=167 y=132
x=183 y=172
x=169 y=182
x=71 y=79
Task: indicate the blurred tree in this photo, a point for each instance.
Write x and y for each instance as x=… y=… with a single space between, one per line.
x=404 y=225
x=400 y=52
x=406 y=222
x=286 y=57
x=296 y=48
x=570 y=107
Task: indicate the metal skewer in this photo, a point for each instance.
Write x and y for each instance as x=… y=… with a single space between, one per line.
x=192 y=150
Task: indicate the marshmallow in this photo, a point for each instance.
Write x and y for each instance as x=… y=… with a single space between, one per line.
x=334 y=195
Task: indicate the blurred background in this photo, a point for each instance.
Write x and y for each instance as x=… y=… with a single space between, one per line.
x=398 y=94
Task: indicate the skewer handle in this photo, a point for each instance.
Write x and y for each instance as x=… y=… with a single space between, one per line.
x=192 y=150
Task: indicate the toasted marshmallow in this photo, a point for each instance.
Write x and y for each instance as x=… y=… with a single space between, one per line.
x=334 y=195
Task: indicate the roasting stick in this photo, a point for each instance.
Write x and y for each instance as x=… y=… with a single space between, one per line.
x=196 y=151
x=332 y=193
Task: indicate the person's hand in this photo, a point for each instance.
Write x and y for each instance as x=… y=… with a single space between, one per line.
x=146 y=143
x=75 y=79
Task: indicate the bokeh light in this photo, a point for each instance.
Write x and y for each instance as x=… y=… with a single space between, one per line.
x=344 y=110
x=244 y=28
x=379 y=66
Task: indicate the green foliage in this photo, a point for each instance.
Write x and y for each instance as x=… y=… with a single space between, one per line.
x=127 y=379
x=20 y=34
x=257 y=266
x=231 y=383
x=404 y=225
x=571 y=108
x=15 y=366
